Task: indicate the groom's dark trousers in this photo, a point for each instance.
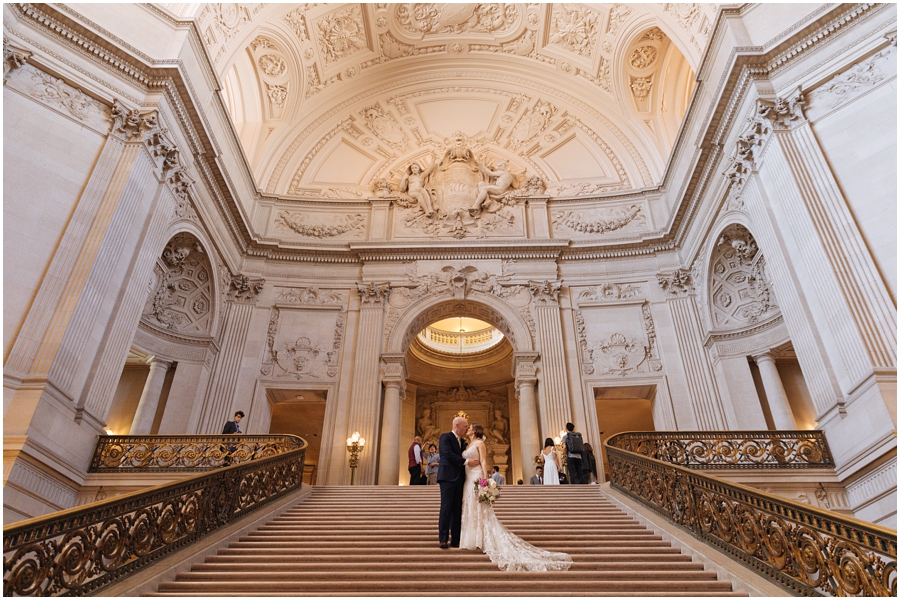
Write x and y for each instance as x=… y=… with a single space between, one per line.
x=452 y=480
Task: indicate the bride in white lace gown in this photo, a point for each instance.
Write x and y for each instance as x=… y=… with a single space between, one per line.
x=481 y=528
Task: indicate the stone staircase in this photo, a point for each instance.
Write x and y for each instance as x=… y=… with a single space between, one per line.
x=382 y=541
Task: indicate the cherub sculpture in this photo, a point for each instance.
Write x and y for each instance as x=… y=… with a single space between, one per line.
x=504 y=181
x=413 y=183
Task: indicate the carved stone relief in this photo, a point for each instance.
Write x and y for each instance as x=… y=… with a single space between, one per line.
x=307 y=295
x=241 y=288
x=857 y=79
x=424 y=19
x=13 y=57
x=617 y=15
x=312 y=355
x=608 y=292
x=678 y=283
x=299 y=223
x=739 y=291
x=341 y=34
x=599 y=221
x=182 y=299
x=574 y=28
x=435 y=412
x=622 y=352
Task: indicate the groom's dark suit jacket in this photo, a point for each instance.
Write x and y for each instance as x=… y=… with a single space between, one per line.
x=453 y=465
x=452 y=479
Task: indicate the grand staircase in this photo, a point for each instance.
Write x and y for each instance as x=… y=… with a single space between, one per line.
x=353 y=541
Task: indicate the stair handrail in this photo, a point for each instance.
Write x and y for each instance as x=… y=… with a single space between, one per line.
x=82 y=550
x=806 y=550
x=731 y=449
x=162 y=453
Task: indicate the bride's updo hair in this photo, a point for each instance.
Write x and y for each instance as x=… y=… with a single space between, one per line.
x=478 y=430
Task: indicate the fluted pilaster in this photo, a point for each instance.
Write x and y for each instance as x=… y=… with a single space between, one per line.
x=556 y=407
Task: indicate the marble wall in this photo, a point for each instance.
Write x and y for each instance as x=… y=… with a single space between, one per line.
x=795 y=207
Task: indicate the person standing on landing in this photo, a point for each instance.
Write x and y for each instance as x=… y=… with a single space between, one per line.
x=574 y=446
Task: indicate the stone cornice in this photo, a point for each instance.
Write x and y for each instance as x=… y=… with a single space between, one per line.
x=168 y=77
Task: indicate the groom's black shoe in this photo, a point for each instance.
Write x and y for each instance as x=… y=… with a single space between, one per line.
x=445 y=545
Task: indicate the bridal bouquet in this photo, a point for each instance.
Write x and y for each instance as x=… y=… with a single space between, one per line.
x=487 y=490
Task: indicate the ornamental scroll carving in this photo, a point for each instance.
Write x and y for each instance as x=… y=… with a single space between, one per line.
x=607 y=292
x=782 y=113
x=13 y=57
x=341 y=34
x=241 y=288
x=307 y=295
x=677 y=283
x=858 y=78
x=575 y=29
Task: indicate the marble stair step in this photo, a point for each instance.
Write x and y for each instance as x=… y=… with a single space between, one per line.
x=260 y=550
x=238 y=565
x=443 y=593
x=641 y=555
x=269 y=577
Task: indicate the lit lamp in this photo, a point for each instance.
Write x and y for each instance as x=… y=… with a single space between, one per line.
x=561 y=449
x=355 y=445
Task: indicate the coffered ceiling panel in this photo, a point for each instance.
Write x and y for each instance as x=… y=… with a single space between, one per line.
x=573 y=160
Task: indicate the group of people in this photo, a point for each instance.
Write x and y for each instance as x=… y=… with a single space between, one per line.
x=423 y=466
x=580 y=461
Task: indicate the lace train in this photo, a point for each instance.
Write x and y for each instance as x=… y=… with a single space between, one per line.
x=481 y=529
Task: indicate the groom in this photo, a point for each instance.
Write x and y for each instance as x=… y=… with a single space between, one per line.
x=452 y=479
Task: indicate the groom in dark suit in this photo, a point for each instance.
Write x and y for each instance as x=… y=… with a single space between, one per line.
x=452 y=479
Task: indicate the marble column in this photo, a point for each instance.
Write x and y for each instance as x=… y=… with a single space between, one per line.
x=782 y=417
x=365 y=400
x=149 y=402
x=556 y=407
x=525 y=373
x=393 y=375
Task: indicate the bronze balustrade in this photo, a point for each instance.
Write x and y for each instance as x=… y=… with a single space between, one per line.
x=806 y=550
x=157 y=453
x=731 y=449
x=85 y=549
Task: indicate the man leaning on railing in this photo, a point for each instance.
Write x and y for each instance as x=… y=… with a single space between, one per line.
x=232 y=427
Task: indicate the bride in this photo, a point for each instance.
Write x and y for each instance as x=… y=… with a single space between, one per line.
x=481 y=528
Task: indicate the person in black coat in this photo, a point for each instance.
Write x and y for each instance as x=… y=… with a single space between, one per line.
x=234 y=426
x=452 y=480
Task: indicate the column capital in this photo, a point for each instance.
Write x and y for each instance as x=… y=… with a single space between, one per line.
x=373 y=294
x=545 y=292
x=783 y=113
x=244 y=289
x=163 y=364
x=393 y=369
x=524 y=368
x=760 y=357
x=677 y=283
x=133 y=125
x=13 y=57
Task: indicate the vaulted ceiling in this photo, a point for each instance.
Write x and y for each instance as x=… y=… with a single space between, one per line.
x=329 y=98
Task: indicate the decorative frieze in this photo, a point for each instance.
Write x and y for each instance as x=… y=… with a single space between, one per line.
x=300 y=223
x=610 y=292
x=308 y=296
x=587 y=222
x=858 y=79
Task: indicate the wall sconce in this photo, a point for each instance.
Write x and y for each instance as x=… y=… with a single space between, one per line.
x=355 y=445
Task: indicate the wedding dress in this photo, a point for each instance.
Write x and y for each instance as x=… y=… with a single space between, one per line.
x=481 y=529
x=551 y=469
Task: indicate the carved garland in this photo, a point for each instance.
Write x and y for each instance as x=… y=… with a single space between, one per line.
x=576 y=221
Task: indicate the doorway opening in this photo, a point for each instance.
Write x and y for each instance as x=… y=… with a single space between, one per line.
x=300 y=413
x=461 y=364
x=621 y=409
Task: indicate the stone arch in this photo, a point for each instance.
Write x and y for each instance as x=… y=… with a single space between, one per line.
x=488 y=308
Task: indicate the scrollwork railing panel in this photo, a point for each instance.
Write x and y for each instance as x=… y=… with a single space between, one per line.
x=731 y=449
x=118 y=453
x=82 y=550
x=806 y=550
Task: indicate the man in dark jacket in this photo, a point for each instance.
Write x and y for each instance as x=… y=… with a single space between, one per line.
x=452 y=479
x=234 y=426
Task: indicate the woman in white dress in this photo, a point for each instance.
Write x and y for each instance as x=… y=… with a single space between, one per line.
x=481 y=528
x=551 y=463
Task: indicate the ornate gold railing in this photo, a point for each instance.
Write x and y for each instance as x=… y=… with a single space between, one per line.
x=731 y=449
x=806 y=550
x=119 y=453
x=82 y=550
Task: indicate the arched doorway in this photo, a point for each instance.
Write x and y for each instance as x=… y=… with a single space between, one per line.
x=484 y=381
